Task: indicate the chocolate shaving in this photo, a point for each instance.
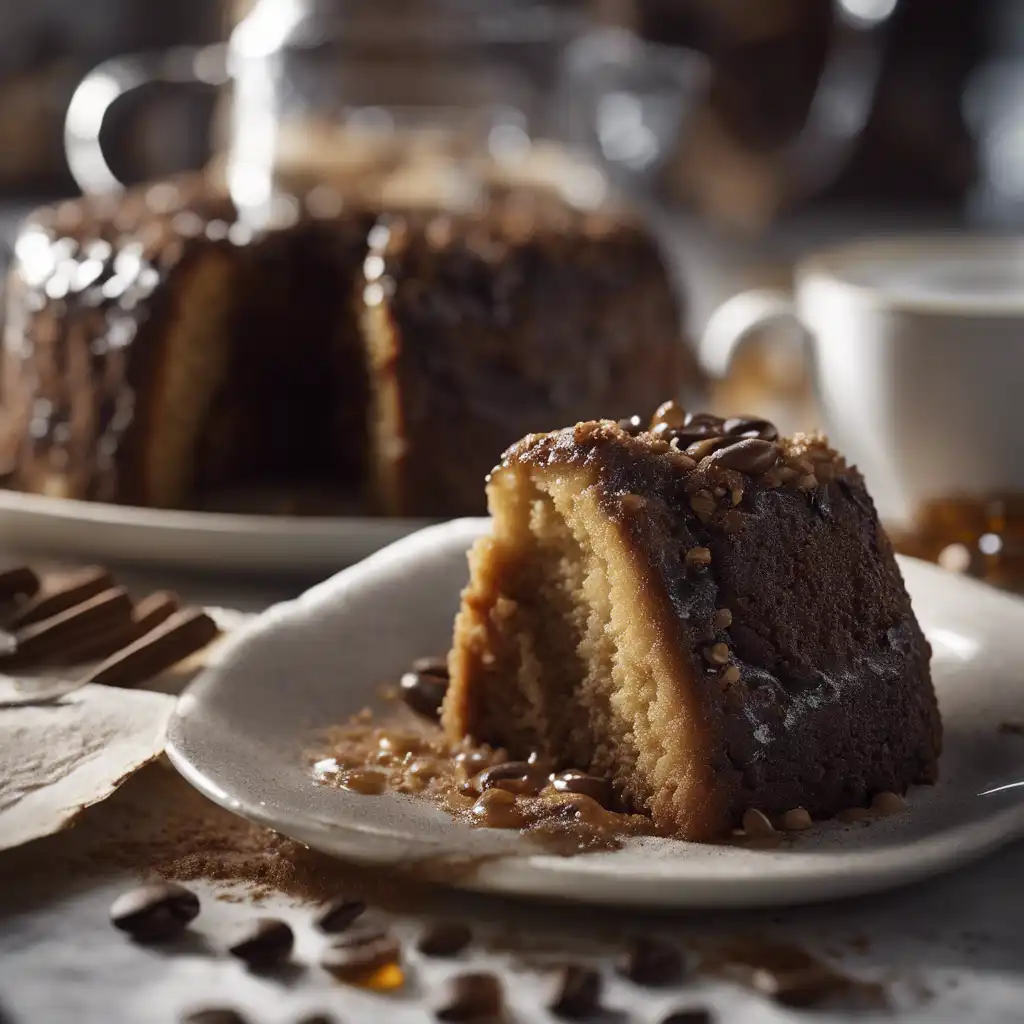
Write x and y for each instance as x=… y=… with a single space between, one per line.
x=76 y=588
x=158 y=607
x=21 y=581
x=182 y=634
x=50 y=637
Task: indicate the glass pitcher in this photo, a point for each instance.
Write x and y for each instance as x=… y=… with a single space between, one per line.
x=431 y=96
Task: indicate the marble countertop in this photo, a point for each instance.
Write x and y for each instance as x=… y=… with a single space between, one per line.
x=948 y=950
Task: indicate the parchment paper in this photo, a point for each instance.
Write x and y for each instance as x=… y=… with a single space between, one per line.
x=57 y=759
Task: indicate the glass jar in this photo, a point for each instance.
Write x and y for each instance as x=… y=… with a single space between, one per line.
x=409 y=101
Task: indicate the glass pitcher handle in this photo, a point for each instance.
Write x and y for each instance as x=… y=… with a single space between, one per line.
x=639 y=95
x=628 y=99
x=110 y=81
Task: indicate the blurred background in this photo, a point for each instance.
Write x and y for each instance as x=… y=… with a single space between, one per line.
x=751 y=131
x=804 y=117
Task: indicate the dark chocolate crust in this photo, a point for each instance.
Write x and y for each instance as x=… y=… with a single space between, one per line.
x=521 y=319
x=831 y=701
x=505 y=322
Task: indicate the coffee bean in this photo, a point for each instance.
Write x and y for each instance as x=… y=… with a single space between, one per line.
x=750 y=456
x=357 y=954
x=631 y=425
x=705 y=421
x=431 y=666
x=423 y=690
x=579 y=993
x=694 y=1015
x=265 y=943
x=701 y=449
x=471 y=999
x=445 y=940
x=339 y=914
x=514 y=776
x=685 y=437
x=651 y=962
x=756 y=823
x=214 y=1015
x=671 y=414
x=155 y=912
x=750 y=426
x=574 y=781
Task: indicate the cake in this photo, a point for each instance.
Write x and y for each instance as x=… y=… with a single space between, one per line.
x=158 y=352
x=707 y=614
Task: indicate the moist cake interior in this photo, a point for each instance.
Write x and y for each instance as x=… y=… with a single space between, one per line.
x=590 y=672
x=290 y=412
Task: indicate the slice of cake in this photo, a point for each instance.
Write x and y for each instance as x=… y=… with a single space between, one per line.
x=707 y=614
x=480 y=327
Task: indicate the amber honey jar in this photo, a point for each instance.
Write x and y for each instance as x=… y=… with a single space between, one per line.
x=979 y=537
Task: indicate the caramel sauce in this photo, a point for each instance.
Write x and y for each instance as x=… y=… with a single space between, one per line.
x=475 y=784
x=565 y=813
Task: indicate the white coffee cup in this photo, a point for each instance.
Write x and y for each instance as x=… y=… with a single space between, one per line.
x=917 y=346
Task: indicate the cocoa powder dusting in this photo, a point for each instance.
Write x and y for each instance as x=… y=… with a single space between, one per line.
x=159 y=825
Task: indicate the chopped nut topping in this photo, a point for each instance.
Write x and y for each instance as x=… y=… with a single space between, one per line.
x=633 y=502
x=717 y=654
x=722 y=619
x=736 y=495
x=703 y=503
x=584 y=430
x=732 y=521
x=730 y=676
x=808 y=482
x=888 y=803
x=698 y=556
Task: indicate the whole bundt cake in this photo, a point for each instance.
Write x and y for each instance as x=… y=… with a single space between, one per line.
x=158 y=352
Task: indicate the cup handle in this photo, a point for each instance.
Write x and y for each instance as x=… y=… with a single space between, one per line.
x=110 y=81
x=738 y=319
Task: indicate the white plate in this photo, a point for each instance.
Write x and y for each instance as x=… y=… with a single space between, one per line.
x=242 y=728
x=292 y=545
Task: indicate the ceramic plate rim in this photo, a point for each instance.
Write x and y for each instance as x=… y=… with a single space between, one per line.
x=238 y=541
x=802 y=878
